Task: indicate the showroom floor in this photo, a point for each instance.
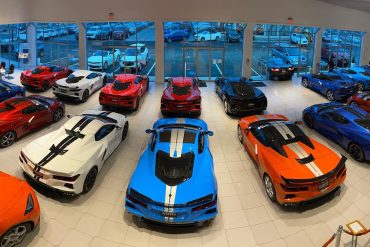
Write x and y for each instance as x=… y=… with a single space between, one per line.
x=246 y=216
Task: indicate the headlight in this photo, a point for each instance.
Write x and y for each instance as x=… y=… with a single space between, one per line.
x=30 y=205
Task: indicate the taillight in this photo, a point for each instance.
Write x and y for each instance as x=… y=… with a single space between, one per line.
x=205 y=206
x=297 y=188
x=291 y=68
x=66 y=179
x=274 y=69
x=136 y=201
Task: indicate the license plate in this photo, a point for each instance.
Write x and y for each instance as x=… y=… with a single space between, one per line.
x=179 y=106
x=169 y=214
x=39 y=174
x=324 y=185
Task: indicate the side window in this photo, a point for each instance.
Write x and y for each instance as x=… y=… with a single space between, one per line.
x=92 y=75
x=339 y=118
x=201 y=143
x=138 y=80
x=259 y=136
x=103 y=132
x=29 y=110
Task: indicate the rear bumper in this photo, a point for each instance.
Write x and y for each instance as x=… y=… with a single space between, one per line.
x=181 y=108
x=119 y=103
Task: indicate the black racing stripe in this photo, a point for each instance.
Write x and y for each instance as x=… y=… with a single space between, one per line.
x=84 y=124
x=79 y=123
x=104 y=114
x=52 y=154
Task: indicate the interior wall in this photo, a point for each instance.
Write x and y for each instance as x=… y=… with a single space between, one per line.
x=14 y=11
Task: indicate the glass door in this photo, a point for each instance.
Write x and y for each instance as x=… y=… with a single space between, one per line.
x=217 y=68
x=189 y=59
x=204 y=63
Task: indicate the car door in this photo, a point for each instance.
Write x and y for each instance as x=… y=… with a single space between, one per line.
x=95 y=81
x=139 y=81
x=327 y=124
x=111 y=136
x=36 y=116
x=315 y=82
x=251 y=141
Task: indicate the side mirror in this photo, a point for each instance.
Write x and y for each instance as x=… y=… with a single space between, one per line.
x=118 y=127
x=149 y=131
x=298 y=122
x=209 y=133
x=69 y=116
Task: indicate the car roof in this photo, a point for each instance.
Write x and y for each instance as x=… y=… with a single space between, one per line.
x=126 y=77
x=83 y=72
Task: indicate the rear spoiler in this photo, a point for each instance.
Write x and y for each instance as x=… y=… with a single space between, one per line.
x=338 y=168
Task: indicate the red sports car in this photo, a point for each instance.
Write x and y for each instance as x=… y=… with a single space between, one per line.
x=43 y=77
x=21 y=115
x=182 y=95
x=126 y=91
x=361 y=100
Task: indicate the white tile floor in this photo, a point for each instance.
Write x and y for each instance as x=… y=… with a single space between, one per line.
x=246 y=216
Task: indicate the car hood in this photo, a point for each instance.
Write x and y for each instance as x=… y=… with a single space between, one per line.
x=96 y=59
x=11 y=193
x=200 y=184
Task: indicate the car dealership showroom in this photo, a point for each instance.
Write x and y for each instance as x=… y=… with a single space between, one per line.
x=185 y=123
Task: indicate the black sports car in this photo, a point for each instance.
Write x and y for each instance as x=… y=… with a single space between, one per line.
x=239 y=96
x=275 y=68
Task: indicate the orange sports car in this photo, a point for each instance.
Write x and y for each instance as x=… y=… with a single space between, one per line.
x=294 y=167
x=19 y=210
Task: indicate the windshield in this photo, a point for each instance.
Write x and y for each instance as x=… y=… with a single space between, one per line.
x=121 y=86
x=74 y=79
x=301 y=36
x=37 y=71
x=130 y=52
x=101 y=53
x=181 y=90
x=173 y=171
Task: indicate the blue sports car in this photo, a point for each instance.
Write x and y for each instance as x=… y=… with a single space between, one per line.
x=8 y=90
x=348 y=126
x=174 y=182
x=330 y=84
x=357 y=75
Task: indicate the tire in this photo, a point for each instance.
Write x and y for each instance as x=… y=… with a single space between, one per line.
x=353 y=103
x=105 y=66
x=85 y=96
x=58 y=115
x=361 y=86
x=18 y=94
x=304 y=82
x=137 y=104
x=90 y=180
x=330 y=95
x=240 y=134
x=125 y=131
x=308 y=120
x=226 y=107
x=45 y=86
x=147 y=87
x=15 y=235
x=7 y=139
x=356 y=152
x=269 y=187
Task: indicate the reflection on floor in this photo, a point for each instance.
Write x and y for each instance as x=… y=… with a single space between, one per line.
x=247 y=217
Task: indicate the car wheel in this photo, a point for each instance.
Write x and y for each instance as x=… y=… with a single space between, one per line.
x=58 y=115
x=353 y=103
x=308 y=120
x=125 y=131
x=18 y=94
x=269 y=187
x=330 y=95
x=45 y=86
x=361 y=86
x=305 y=82
x=90 y=179
x=105 y=66
x=240 y=134
x=7 y=139
x=15 y=235
x=356 y=152
x=226 y=107
x=85 y=95
x=147 y=85
x=137 y=103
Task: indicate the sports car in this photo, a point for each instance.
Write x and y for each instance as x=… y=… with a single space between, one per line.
x=181 y=96
x=299 y=39
x=355 y=74
x=8 y=90
x=239 y=96
x=102 y=59
x=180 y=186
x=19 y=211
x=126 y=91
x=43 y=77
x=208 y=35
x=135 y=57
x=68 y=160
x=346 y=125
x=361 y=100
x=22 y=115
x=276 y=69
x=79 y=85
x=331 y=85
x=295 y=169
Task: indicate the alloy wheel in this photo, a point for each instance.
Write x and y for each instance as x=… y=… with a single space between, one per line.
x=308 y=120
x=125 y=131
x=58 y=114
x=90 y=179
x=85 y=96
x=7 y=139
x=240 y=134
x=356 y=152
x=353 y=103
x=270 y=190
x=361 y=86
x=305 y=83
x=330 y=95
x=14 y=236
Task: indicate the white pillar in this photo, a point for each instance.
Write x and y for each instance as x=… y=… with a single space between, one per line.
x=159 y=52
x=32 y=44
x=317 y=51
x=247 y=50
x=82 y=46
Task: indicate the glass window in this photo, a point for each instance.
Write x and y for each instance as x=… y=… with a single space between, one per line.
x=104 y=131
x=13 y=38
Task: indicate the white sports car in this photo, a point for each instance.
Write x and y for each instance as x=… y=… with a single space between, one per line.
x=102 y=59
x=69 y=159
x=80 y=84
x=207 y=36
x=299 y=39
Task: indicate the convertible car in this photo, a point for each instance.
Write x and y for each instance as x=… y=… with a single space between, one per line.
x=22 y=115
x=79 y=85
x=355 y=74
x=239 y=96
x=346 y=125
x=20 y=210
x=68 y=160
x=8 y=90
x=125 y=92
x=295 y=169
x=180 y=186
x=333 y=86
x=361 y=100
x=181 y=96
x=43 y=77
